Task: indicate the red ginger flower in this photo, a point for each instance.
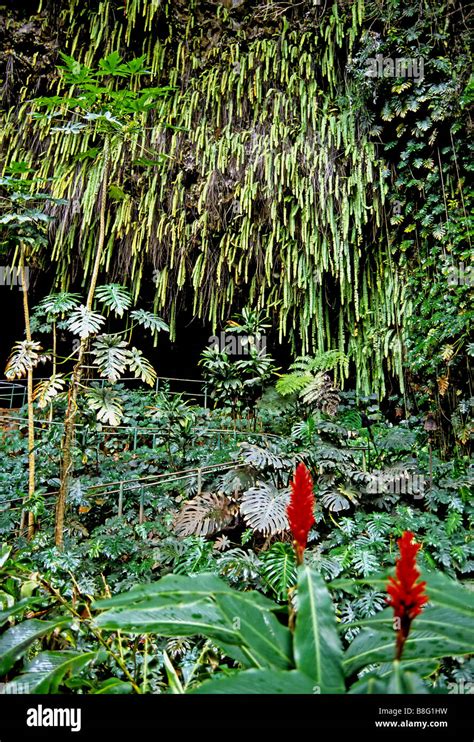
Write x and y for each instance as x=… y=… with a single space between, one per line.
x=406 y=596
x=300 y=509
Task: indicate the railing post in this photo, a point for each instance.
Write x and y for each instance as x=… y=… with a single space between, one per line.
x=199 y=481
x=141 y=515
x=120 y=500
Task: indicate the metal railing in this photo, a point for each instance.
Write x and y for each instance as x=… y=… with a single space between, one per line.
x=13 y=394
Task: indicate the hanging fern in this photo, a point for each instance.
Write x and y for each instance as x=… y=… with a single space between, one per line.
x=286 y=180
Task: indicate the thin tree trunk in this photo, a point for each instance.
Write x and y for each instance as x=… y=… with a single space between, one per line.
x=67 y=461
x=31 y=418
x=54 y=366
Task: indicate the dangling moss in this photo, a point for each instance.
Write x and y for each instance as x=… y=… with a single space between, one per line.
x=271 y=190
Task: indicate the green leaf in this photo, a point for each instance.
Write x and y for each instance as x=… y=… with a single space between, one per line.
x=166 y=617
x=242 y=623
x=268 y=642
x=84 y=323
x=57 y=304
x=443 y=591
x=114 y=297
x=404 y=682
x=173 y=679
x=47 y=390
x=24 y=357
x=149 y=321
x=106 y=404
x=141 y=366
x=279 y=568
x=5 y=552
x=256 y=682
x=111 y=356
x=17 y=608
x=371 y=646
x=317 y=647
x=453 y=624
x=398 y=679
x=15 y=641
x=46 y=672
x=114 y=686
x=194 y=587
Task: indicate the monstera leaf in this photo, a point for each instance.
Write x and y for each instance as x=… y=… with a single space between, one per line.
x=48 y=389
x=141 y=367
x=25 y=357
x=263 y=508
x=205 y=515
x=84 y=322
x=106 y=404
x=149 y=321
x=111 y=356
x=264 y=458
x=114 y=297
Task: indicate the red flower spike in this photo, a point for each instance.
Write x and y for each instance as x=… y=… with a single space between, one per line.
x=406 y=596
x=300 y=509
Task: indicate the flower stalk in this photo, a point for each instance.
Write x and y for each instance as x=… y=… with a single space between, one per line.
x=406 y=595
x=300 y=510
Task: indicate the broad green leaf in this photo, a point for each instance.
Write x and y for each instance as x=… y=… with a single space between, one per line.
x=267 y=640
x=402 y=681
x=371 y=646
x=242 y=623
x=15 y=641
x=111 y=356
x=24 y=357
x=17 y=608
x=258 y=682
x=5 y=552
x=398 y=679
x=370 y=684
x=185 y=587
x=168 y=618
x=450 y=623
x=46 y=672
x=141 y=366
x=113 y=686
x=173 y=679
x=317 y=647
x=59 y=303
x=47 y=390
x=114 y=297
x=444 y=591
x=149 y=321
x=83 y=322
x=106 y=404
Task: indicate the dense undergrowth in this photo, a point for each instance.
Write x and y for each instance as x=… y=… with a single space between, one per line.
x=369 y=489
x=199 y=159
